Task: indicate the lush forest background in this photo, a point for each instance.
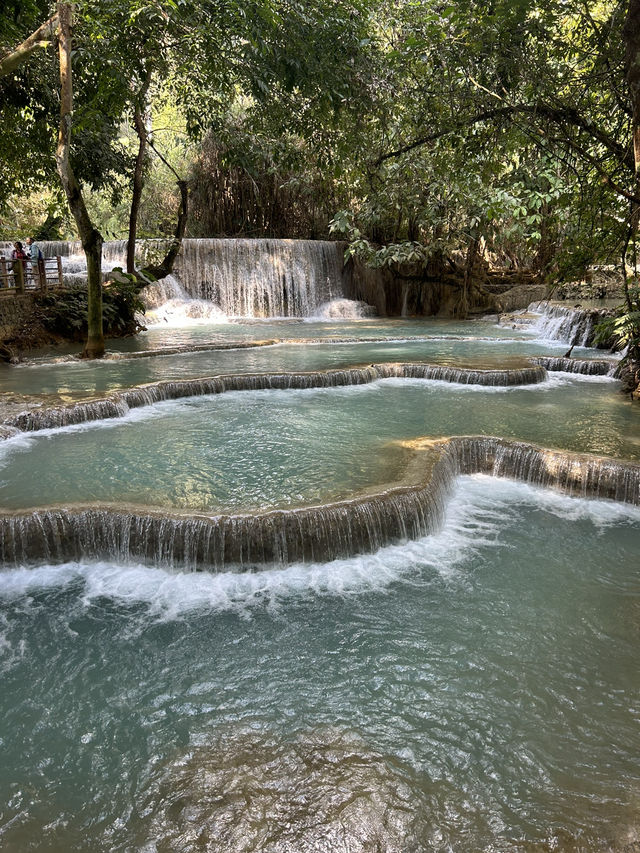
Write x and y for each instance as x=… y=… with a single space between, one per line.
x=426 y=132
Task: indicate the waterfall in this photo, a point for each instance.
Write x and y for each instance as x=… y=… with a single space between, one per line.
x=118 y=404
x=167 y=302
x=262 y=278
x=577 y=474
x=587 y=367
x=464 y=375
x=396 y=513
x=571 y=325
x=239 y=277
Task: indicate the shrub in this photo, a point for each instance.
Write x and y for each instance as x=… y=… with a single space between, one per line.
x=64 y=313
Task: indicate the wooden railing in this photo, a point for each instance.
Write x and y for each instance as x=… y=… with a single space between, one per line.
x=20 y=276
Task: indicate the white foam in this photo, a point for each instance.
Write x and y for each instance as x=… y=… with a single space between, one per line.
x=475 y=518
x=169 y=304
x=557 y=378
x=342 y=309
x=554 y=379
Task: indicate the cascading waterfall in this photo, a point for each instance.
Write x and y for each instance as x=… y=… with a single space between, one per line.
x=396 y=513
x=584 y=366
x=117 y=405
x=262 y=278
x=574 y=326
x=239 y=277
x=166 y=301
x=160 y=292
x=463 y=375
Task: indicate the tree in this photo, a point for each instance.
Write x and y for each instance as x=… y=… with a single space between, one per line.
x=90 y=237
x=482 y=84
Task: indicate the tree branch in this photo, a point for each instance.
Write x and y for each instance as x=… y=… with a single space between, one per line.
x=40 y=38
x=559 y=115
x=606 y=177
x=164 y=159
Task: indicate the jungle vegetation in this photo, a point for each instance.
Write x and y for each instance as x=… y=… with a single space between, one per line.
x=434 y=134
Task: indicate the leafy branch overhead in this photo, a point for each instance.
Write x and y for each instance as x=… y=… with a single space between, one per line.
x=422 y=130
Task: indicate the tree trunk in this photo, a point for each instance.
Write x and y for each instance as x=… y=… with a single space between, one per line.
x=631 y=35
x=472 y=253
x=89 y=235
x=166 y=267
x=138 y=174
x=546 y=247
x=136 y=194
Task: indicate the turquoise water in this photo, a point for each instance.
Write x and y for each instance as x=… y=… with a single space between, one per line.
x=441 y=342
x=476 y=690
x=378 y=328
x=245 y=450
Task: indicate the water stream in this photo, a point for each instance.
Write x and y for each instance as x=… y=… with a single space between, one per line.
x=474 y=690
x=421 y=657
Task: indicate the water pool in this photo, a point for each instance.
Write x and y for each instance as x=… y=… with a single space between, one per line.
x=475 y=690
x=472 y=690
x=71 y=380
x=262 y=449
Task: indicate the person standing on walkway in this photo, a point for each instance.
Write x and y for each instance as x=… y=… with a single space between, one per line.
x=18 y=265
x=18 y=253
x=37 y=261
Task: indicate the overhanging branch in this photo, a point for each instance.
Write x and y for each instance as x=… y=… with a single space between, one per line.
x=40 y=38
x=559 y=115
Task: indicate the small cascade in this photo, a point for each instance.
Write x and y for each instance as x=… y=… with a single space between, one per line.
x=464 y=375
x=64 y=248
x=74 y=270
x=314 y=534
x=69 y=415
x=363 y=524
x=587 y=367
x=574 y=326
x=114 y=254
x=167 y=302
x=117 y=405
x=262 y=278
x=577 y=474
x=343 y=309
x=160 y=292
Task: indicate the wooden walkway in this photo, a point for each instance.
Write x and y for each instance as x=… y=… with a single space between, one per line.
x=18 y=277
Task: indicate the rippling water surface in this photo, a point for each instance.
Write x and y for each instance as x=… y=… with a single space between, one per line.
x=476 y=690
x=478 y=343
x=473 y=690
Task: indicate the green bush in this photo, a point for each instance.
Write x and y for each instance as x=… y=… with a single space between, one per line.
x=64 y=313
x=622 y=331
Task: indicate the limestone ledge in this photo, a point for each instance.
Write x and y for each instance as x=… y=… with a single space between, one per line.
x=394 y=513
x=119 y=403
